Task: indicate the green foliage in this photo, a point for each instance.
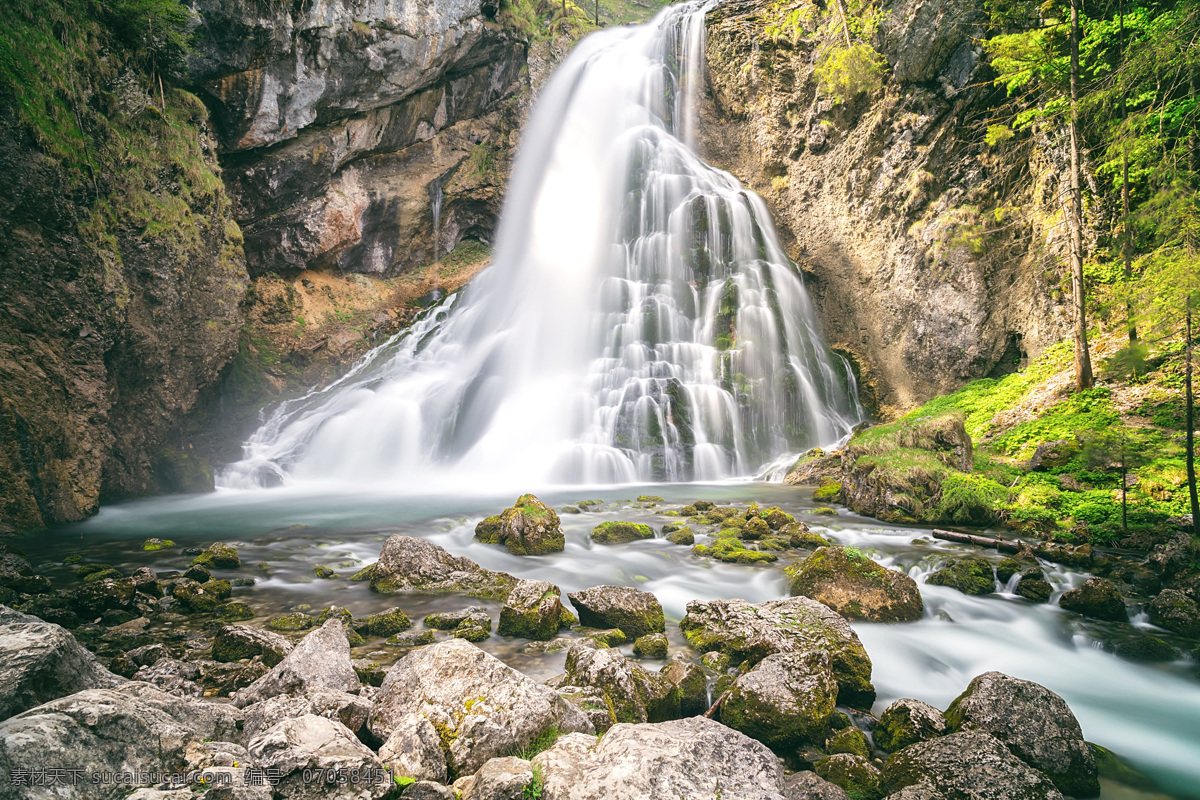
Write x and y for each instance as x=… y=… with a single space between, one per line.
x=536 y=786
x=845 y=72
x=1090 y=411
x=968 y=499
x=154 y=31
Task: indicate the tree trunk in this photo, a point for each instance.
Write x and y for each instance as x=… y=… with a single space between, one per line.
x=1190 y=421
x=1126 y=233
x=1083 y=360
x=597 y=13
x=845 y=26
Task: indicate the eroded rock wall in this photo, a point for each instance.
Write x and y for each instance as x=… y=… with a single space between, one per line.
x=933 y=257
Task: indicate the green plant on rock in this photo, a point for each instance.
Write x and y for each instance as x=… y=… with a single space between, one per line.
x=536 y=786
x=846 y=72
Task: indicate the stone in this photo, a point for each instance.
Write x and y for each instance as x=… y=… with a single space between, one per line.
x=219 y=556
x=785 y=701
x=1145 y=649
x=652 y=645
x=236 y=642
x=591 y=702
x=449 y=620
x=234 y=612
x=1097 y=598
x=500 y=779
x=193 y=597
x=348 y=709
x=212 y=721
x=755 y=528
x=40 y=662
x=1036 y=589
x=172 y=676
x=684 y=536
x=145 y=581
x=848 y=740
x=197 y=573
x=690 y=683
x=480 y=707
x=776 y=518
x=407 y=564
x=381 y=624
x=631 y=610
x=967 y=575
x=630 y=692
x=1007 y=568
x=922 y=36
x=220 y=589
x=428 y=790
x=1053 y=456
x=414 y=750
x=157 y=544
x=970 y=764
x=293 y=621
x=614 y=532
x=369 y=672
x=320 y=661
x=475 y=627
x=906 y=722
x=732 y=551
x=93 y=599
x=1034 y=723
x=694 y=757
x=853 y=585
x=1176 y=612
x=533 y=610
x=748 y=632
x=334 y=611
x=809 y=785
x=410 y=639
x=528 y=528
x=853 y=773
x=298 y=747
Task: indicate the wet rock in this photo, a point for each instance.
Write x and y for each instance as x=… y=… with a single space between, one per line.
x=320 y=661
x=1007 y=568
x=157 y=544
x=591 y=702
x=219 y=556
x=193 y=597
x=799 y=536
x=480 y=707
x=197 y=573
x=500 y=779
x=528 y=528
x=748 y=632
x=732 y=551
x=631 y=693
x=967 y=575
x=906 y=722
x=234 y=612
x=848 y=740
x=612 y=637
x=334 y=611
x=410 y=639
x=809 y=785
x=633 y=611
x=785 y=701
x=220 y=589
x=856 y=587
x=690 y=683
x=294 y=621
x=40 y=662
x=755 y=528
x=776 y=518
x=369 y=672
x=145 y=581
x=694 y=757
x=148 y=654
x=1035 y=588
x=620 y=532
x=475 y=627
x=1174 y=557
x=312 y=744
x=1098 y=598
x=382 y=624
x=128 y=635
x=652 y=645
x=854 y=774
x=235 y=642
x=1034 y=723
x=1176 y=612
x=970 y=764
x=93 y=599
x=348 y=709
x=414 y=749
x=533 y=610
x=407 y=564
x=1145 y=649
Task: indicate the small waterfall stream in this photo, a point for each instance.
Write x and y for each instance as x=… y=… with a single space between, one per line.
x=435 y=208
x=640 y=322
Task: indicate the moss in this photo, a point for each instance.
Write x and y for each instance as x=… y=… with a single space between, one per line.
x=385 y=623
x=828 y=492
x=157 y=544
x=731 y=550
x=848 y=740
x=620 y=532
x=218 y=556
x=233 y=612
x=323 y=572
x=410 y=639
x=683 y=536
x=488 y=530
x=755 y=528
x=614 y=637
x=220 y=589
x=967 y=575
x=288 y=623
x=854 y=774
x=652 y=645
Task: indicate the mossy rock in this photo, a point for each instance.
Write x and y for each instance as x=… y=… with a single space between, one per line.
x=828 y=492
x=233 y=612
x=1111 y=767
x=570 y=510
x=528 y=528
x=218 y=588
x=968 y=575
x=157 y=544
x=652 y=645
x=93 y=569
x=198 y=573
x=785 y=701
x=193 y=598
x=370 y=673
x=621 y=532
x=683 y=536
x=732 y=551
x=219 y=556
x=716 y=661
x=735 y=523
x=471 y=632
x=1146 y=649
x=848 y=740
x=1034 y=588
x=488 y=530
x=671 y=527
x=102 y=574
x=688 y=511
x=775 y=544
x=289 y=623
x=776 y=517
x=330 y=612
x=1007 y=568
x=410 y=639
x=850 y=583
x=649 y=498
x=799 y=536
x=381 y=624
x=323 y=572
x=74 y=558
x=1097 y=598
x=755 y=528
x=854 y=774
x=613 y=637
x=906 y=722
x=533 y=611
x=363 y=574
x=824 y=511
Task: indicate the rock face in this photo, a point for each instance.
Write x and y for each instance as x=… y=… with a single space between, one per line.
x=887 y=202
x=529 y=528
x=907 y=722
x=1098 y=598
x=856 y=587
x=1034 y=723
x=319 y=746
x=320 y=661
x=533 y=610
x=632 y=611
x=785 y=701
x=748 y=632
x=968 y=764
x=480 y=708
x=406 y=564
x=338 y=118
x=40 y=662
x=631 y=693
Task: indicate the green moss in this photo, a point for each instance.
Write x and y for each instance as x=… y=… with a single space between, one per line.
x=731 y=550
x=967 y=575
x=614 y=532
x=157 y=544
x=288 y=623
x=652 y=645
x=848 y=740
x=828 y=492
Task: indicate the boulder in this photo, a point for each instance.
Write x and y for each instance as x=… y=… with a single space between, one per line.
x=906 y=722
x=500 y=779
x=533 y=610
x=529 y=528
x=172 y=676
x=848 y=740
x=970 y=764
x=428 y=790
x=320 y=661
x=219 y=722
x=40 y=662
x=853 y=585
x=1034 y=723
x=693 y=757
x=145 y=581
x=785 y=701
x=480 y=707
x=633 y=611
x=732 y=551
x=776 y=517
x=620 y=532
x=193 y=598
x=449 y=620
x=1176 y=612
x=1098 y=598
x=683 y=535
x=967 y=575
x=297 y=748
x=293 y=621
x=93 y=599
x=407 y=564
x=382 y=624
x=811 y=786
x=1034 y=588
x=235 y=642
x=751 y=632
x=592 y=703
x=691 y=684
x=414 y=750
x=218 y=556
x=652 y=645
x=348 y=709
x=853 y=773
x=475 y=627
x=631 y=693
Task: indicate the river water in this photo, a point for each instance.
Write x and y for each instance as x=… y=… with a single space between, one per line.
x=1148 y=714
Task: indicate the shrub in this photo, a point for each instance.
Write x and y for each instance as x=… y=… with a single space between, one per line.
x=846 y=72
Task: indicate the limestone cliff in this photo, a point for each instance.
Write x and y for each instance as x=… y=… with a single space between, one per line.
x=933 y=257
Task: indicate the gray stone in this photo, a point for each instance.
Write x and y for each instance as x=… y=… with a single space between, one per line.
x=348 y=709
x=971 y=764
x=906 y=722
x=294 y=746
x=785 y=701
x=923 y=35
x=428 y=790
x=320 y=661
x=500 y=779
x=630 y=691
x=172 y=676
x=633 y=611
x=809 y=785
x=1176 y=612
x=236 y=642
x=407 y=564
x=533 y=610
x=213 y=721
x=414 y=750
x=592 y=702
x=691 y=684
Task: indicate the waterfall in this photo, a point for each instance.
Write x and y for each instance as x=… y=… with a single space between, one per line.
x=640 y=321
x=435 y=207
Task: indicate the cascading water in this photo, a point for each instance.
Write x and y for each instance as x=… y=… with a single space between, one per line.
x=640 y=321
x=435 y=208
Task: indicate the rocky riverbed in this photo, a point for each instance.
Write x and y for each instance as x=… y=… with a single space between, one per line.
x=763 y=657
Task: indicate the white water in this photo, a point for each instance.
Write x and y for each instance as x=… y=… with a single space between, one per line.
x=640 y=321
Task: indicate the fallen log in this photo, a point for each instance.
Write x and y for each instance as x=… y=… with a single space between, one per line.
x=1079 y=556
x=982 y=541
